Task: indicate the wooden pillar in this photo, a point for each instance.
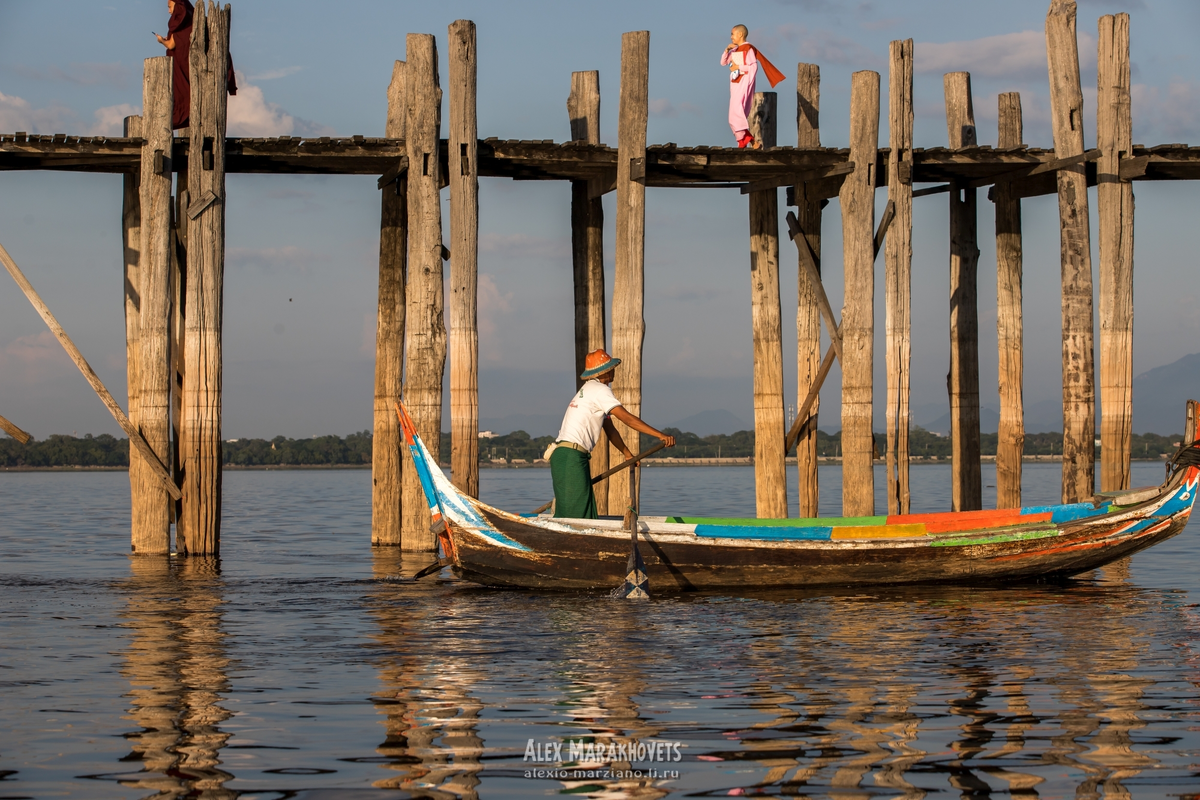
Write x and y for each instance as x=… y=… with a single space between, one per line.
x=131 y=229
x=858 y=311
x=1078 y=370
x=628 y=323
x=464 y=261
x=898 y=273
x=587 y=252
x=1009 y=321
x=425 y=330
x=1114 y=137
x=808 y=313
x=200 y=428
x=770 y=472
x=387 y=442
x=963 y=383
x=178 y=289
x=151 y=507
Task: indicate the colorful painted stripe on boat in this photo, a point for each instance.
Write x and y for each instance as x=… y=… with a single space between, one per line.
x=773 y=533
x=1014 y=536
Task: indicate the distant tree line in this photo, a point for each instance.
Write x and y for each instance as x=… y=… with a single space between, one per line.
x=108 y=451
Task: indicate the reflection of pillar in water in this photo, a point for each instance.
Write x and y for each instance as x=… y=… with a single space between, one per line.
x=176 y=664
x=431 y=718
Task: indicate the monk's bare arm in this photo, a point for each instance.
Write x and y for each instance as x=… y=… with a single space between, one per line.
x=167 y=43
x=641 y=427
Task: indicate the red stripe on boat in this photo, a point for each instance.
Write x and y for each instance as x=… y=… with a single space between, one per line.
x=968 y=520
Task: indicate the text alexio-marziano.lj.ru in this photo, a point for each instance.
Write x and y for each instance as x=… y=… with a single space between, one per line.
x=574 y=756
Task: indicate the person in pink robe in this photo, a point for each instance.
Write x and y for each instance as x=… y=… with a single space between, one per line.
x=743 y=70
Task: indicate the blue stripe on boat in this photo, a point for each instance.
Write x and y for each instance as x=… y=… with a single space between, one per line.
x=1067 y=513
x=769 y=534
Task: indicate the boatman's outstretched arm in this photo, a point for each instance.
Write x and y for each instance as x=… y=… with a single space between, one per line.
x=641 y=427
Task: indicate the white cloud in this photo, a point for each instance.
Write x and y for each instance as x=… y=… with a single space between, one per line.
x=1020 y=55
x=491 y=305
x=1172 y=114
x=110 y=120
x=273 y=260
x=520 y=245
x=34 y=358
x=249 y=114
x=662 y=107
x=16 y=114
x=273 y=74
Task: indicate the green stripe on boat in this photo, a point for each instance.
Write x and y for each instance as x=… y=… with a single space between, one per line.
x=1016 y=536
x=781 y=523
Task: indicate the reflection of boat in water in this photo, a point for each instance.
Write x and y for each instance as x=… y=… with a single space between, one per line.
x=493 y=547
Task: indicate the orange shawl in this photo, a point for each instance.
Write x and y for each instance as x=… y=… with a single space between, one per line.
x=773 y=75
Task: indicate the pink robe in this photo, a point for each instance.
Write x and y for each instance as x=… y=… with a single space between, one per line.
x=741 y=94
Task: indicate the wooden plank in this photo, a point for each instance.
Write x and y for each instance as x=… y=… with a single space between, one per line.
x=628 y=320
x=1009 y=318
x=858 y=311
x=1133 y=167
x=425 y=334
x=199 y=527
x=770 y=471
x=1029 y=172
x=897 y=291
x=387 y=466
x=135 y=437
x=885 y=222
x=150 y=507
x=1066 y=112
x=587 y=252
x=931 y=190
x=805 y=418
x=797 y=178
x=464 y=262
x=131 y=229
x=1114 y=136
x=966 y=475
x=808 y=313
x=12 y=430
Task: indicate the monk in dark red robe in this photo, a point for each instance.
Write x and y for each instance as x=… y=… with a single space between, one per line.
x=179 y=46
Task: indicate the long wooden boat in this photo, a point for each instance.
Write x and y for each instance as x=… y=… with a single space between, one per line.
x=493 y=547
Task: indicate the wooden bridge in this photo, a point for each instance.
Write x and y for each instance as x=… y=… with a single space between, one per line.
x=174 y=234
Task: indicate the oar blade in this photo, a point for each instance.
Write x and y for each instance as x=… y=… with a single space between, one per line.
x=637 y=582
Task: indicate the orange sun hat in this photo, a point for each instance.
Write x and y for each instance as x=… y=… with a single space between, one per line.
x=598 y=362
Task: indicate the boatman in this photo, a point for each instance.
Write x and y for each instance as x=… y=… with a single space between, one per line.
x=591 y=410
x=743 y=59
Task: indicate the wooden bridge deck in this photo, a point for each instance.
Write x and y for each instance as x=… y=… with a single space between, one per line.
x=666 y=165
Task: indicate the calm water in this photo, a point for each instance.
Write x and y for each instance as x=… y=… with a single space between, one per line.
x=303 y=666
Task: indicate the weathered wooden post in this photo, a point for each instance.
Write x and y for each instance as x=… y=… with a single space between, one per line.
x=464 y=261
x=131 y=230
x=425 y=334
x=386 y=443
x=770 y=471
x=898 y=273
x=1114 y=137
x=1078 y=366
x=151 y=509
x=1010 y=444
x=966 y=480
x=200 y=427
x=628 y=322
x=808 y=313
x=858 y=310
x=587 y=252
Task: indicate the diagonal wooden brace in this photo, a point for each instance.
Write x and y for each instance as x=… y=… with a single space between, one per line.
x=135 y=437
x=814 y=275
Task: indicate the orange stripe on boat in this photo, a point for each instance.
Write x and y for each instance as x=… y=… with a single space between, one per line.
x=877 y=531
x=969 y=520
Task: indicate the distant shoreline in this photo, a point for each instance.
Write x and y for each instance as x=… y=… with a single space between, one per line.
x=653 y=462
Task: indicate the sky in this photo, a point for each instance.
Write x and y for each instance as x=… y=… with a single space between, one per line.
x=302 y=251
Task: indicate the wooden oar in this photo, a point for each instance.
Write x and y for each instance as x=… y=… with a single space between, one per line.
x=636 y=585
x=629 y=462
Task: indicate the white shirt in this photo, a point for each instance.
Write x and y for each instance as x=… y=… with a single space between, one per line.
x=585 y=416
